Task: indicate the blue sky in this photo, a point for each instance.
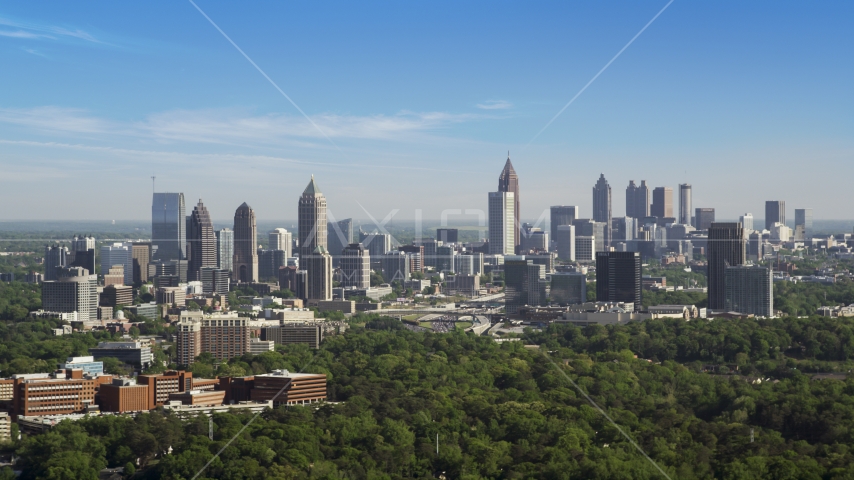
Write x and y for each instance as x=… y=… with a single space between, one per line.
x=747 y=101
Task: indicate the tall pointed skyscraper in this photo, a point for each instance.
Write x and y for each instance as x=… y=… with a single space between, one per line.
x=314 y=257
x=312 y=219
x=508 y=181
x=245 y=262
x=602 y=206
x=201 y=242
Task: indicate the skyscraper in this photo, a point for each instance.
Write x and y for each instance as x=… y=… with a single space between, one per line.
x=566 y=243
x=602 y=205
x=618 y=277
x=685 y=204
x=746 y=221
x=803 y=218
x=662 y=202
x=355 y=266
x=312 y=220
x=502 y=232
x=561 y=215
x=525 y=283
x=245 y=263
x=201 y=242
x=340 y=235
x=141 y=253
x=704 y=218
x=726 y=248
x=775 y=212
x=54 y=258
x=118 y=254
x=225 y=249
x=508 y=182
x=318 y=266
x=280 y=239
x=750 y=289
x=73 y=290
x=168 y=227
x=637 y=200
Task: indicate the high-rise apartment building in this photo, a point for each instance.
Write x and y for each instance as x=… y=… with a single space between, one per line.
x=725 y=248
x=281 y=239
x=704 y=218
x=312 y=220
x=225 y=249
x=224 y=336
x=746 y=222
x=74 y=290
x=749 y=289
x=566 y=242
x=245 y=263
x=525 y=283
x=602 y=205
x=637 y=200
x=561 y=215
x=508 y=182
x=340 y=235
x=355 y=264
x=201 y=242
x=55 y=257
x=618 y=277
x=168 y=227
x=685 y=204
x=503 y=235
x=775 y=212
x=662 y=202
x=118 y=254
x=803 y=218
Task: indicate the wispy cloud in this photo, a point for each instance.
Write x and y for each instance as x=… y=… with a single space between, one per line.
x=33 y=51
x=495 y=105
x=236 y=127
x=43 y=31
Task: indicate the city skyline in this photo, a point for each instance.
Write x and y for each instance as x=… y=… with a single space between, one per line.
x=638 y=120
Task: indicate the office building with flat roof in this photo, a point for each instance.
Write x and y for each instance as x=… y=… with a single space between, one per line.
x=704 y=218
x=225 y=249
x=245 y=263
x=502 y=232
x=685 y=204
x=775 y=212
x=561 y=215
x=618 y=277
x=568 y=288
x=750 y=290
x=566 y=242
x=168 y=227
x=280 y=239
x=803 y=218
x=662 y=202
x=726 y=248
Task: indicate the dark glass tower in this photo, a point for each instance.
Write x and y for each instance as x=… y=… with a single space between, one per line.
x=618 y=277
x=602 y=205
x=168 y=227
x=245 y=263
x=201 y=242
x=726 y=248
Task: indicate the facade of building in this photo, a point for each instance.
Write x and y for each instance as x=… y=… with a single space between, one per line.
x=55 y=258
x=508 y=182
x=565 y=241
x=339 y=236
x=602 y=206
x=118 y=253
x=395 y=266
x=750 y=290
x=775 y=212
x=124 y=395
x=637 y=200
x=445 y=259
x=269 y=263
x=704 y=218
x=525 y=284
x=225 y=249
x=622 y=229
x=618 y=277
x=585 y=248
x=310 y=333
x=355 y=264
x=74 y=290
x=161 y=385
x=568 y=288
x=503 y=234
x=281 y=239
x=448 y=235
x=285 y=388
x=726 y=248
x=201 y=242
x=662 y=202
x=63 y=392
x=132 y=352
x=318 y=266
x=168 y=227
x=87 y=364
x=312 y=220
x=141 y=254
x=803 y=218
x=215 y=280
x=561 y=215
x=115 y=295
x=245 y=263
x=685 y=204
x=746 y=222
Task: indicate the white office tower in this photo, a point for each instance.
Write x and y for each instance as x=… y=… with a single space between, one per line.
x=355 y=267
x=281 y=239
x=585 y=249
x=74 y=290
x=566 y=242
x=746 y=221
x=501 y=223
x=118 y=254
x=464 y=265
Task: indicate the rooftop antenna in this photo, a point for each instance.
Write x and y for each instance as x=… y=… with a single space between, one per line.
x=152 y=184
